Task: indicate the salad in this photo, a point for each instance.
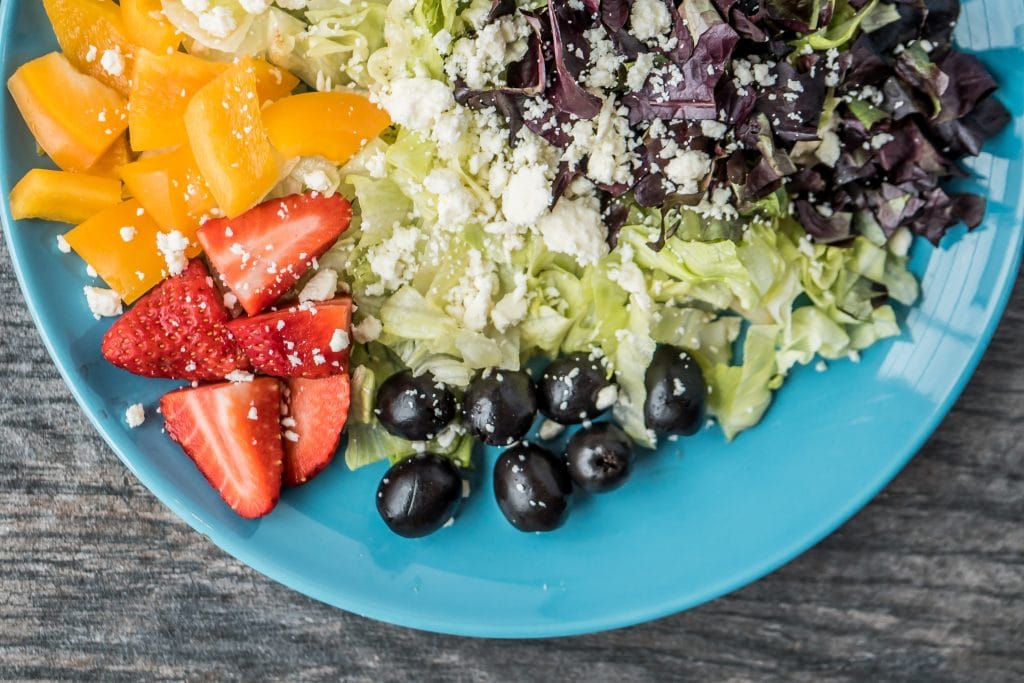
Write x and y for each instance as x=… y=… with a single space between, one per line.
x=429 y=224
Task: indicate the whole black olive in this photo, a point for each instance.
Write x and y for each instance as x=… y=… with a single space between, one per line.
x=575 y=388
x=599 y=457
x=419 y=494
x=676 y=393
x=532 y=487
x=414 y=408
x=499 y=406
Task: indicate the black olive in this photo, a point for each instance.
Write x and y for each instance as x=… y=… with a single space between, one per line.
x=499 y=406
x=600 y=457
x=574 y=388
x=419 y=494
x=532 y=487
x=414 y=408
x=676 y=393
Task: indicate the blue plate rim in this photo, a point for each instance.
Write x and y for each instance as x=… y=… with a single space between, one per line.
x=277 y=572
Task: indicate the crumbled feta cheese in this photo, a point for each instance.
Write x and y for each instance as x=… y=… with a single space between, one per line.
x=549 y=429
x=416 y=103
x=574 y=227
x=649 y=19
x=291 y=436
x=605 y=60
x=455 y=204
x=511 y=308
x=318 y=181
x=128 y=233
x=479 y=59
x=638 y=72
x=239 y=376
x=135 y=415
x=443 y=41
x=90 y=55
x=607 y=397
x=688 y=169
x=715 y=130
x=253 y=414
x=526 y=196
x=230 y=300
x=112 y=62
x=255 y=6
x=321 y=287
x=104 y=303
x=470 y=299
x=394 y=260
x=218 y=22
x=90 y=271
x=62 y=245
x=196 y=7
x=376 y=165
x=172 y=246
x=368 y=330
x=339 y=341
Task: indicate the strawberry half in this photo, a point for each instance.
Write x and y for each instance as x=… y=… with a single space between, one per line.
x=308 y=340
x=232 y=432
x=178 y=330
x=317 y=411
x=265 y=251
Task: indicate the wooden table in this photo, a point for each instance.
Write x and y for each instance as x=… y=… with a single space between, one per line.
x=98 y=579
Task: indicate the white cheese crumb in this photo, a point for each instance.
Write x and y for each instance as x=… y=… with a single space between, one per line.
x=820 y=366
x=455 y=204
x=713 y=129
x=339 y=341
x=253 y=413
x=230 y=299
x=417 y=103
x=321 y=287
x=90 y=271
x=688 y=169
x=318 y=181
x=196 y=7
x=104 y=303
x=62 y=245
x=291 y=436
x=255 y=6
x=368 y=330
x=526 y=196
x=239 y=376
x=112 y=62
x=172 y=246
x=638 y=72
x=135 y=415
x=549 y=429
x=90 y=55
x=607 y=397
x=128 y=233
x=575 y=228
x=218 y=22
x=649 y=19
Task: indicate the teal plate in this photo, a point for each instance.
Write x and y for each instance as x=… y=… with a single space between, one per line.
x=698 y=519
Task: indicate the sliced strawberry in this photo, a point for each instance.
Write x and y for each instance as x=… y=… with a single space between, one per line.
x=317 y=411
x=232 y=431
x=308 y=340
x=179 y=330
x=265 y=251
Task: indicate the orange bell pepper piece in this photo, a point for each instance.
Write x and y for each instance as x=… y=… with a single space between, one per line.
x=332 y=124
x=62 y=196
x=163 y=85
x=171 y=189
x=119 y=154
x=86 y=30
x=74 y=117
x=132 y=266
x=230 y=144
x=148 y=28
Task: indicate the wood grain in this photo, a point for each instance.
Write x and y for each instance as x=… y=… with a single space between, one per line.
x=99 y=580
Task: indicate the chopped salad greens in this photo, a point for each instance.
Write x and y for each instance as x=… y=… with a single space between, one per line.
x=618 y=175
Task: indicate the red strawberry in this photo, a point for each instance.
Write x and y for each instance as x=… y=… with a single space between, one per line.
x=308 y=340
x=317 y=411
x=265 y=251
x=232 y=431
x=179 y=330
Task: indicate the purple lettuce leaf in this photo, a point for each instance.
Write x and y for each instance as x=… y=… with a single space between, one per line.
x=825 y=229
x=570 y=55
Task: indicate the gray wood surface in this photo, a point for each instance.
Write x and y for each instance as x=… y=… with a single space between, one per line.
x=99 y=580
